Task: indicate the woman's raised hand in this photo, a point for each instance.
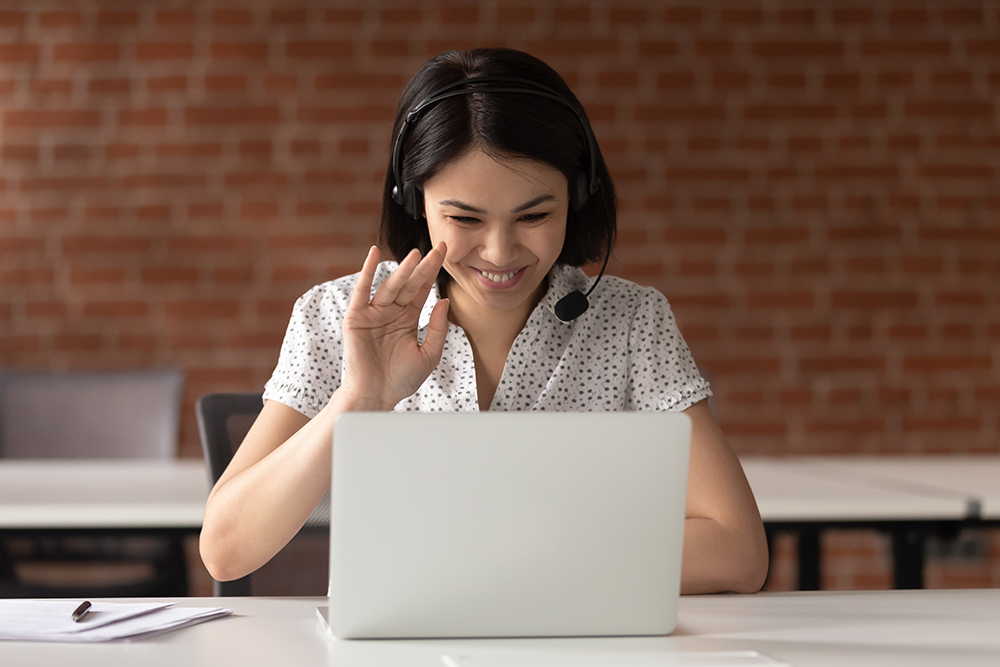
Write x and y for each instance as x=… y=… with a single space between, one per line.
x=383 y=361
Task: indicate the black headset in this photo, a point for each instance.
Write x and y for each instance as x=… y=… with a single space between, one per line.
x=586 y=184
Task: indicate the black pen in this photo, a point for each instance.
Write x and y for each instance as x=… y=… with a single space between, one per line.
x=81 y=611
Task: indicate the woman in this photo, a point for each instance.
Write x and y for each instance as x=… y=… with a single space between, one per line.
x=497 y=191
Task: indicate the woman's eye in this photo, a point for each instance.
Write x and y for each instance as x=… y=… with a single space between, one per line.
x=463 y=219
x=534 y=217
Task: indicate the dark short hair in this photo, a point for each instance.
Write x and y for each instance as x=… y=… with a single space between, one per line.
x=503 y=125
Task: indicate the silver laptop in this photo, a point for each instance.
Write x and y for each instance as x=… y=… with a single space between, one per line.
x=526 y=524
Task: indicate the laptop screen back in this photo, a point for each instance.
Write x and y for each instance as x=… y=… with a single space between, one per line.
x=507 y=524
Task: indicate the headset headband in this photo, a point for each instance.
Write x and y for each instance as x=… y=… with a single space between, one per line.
x=468 y=87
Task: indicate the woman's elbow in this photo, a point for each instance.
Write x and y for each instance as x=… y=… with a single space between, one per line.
x=750 y=570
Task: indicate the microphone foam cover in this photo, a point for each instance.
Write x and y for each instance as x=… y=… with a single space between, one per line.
x=571 y=306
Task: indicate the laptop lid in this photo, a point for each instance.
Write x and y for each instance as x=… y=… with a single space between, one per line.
x=507 y=524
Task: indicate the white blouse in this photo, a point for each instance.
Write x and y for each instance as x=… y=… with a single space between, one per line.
x=624 y=353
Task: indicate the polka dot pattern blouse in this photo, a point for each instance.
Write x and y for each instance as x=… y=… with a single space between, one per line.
x=625 y=353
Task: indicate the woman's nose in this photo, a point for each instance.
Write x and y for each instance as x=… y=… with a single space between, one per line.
x=500 y=246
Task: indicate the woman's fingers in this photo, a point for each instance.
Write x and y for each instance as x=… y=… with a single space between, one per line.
x=437 y=331
x=389 y=289
x=419 y=285
x=363 y=287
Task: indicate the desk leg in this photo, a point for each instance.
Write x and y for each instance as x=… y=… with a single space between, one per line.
x=908 y=557
x=809 y=559
x=6 y=565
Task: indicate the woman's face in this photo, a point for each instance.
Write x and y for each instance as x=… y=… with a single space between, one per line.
x=504 y=221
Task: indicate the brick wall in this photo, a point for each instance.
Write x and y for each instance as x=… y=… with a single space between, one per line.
x=813 y=185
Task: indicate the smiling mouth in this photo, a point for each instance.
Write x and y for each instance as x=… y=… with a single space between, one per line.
x=498 y=277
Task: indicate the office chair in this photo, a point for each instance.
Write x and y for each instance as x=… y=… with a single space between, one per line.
x=87 y=415
x=302 y=566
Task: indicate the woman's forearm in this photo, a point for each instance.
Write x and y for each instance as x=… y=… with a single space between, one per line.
x=718 y=559
x=253 y=511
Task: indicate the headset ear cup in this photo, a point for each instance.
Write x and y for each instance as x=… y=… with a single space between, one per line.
x=579 y=193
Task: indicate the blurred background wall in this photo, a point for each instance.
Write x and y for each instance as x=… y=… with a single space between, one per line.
x=813 y=185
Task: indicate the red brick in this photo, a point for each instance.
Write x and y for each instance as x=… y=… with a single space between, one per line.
x=945 y=109
x=85 y=52
x=741 y=16
x=674 y=80
x=202 y=308
x=713 y=47
x=232 y=17
x=775 y=235
x=189 y=150
x=511 y=15
x=83 y=183
x=728 y=80
x=206 y=210
x=164 y=50
x=116 y=309
x=953 y=363
x=344 y=16
x=166 y=84
x=231 y=115
x=452 y=14
x=307 y=241
x=563 y=46
x=46 y=309
x=320 y=49
x=348 y=81
x=289 y=16
x=50 y=86
x=797 y=17
x=60 y=19
x=834 y=363
x=946 y=299
x=783 y=300
x=18 y=53
x=113 y=151
x=96 y=276
x=162 y=180
x=180 y=17
x=956 y=15
x=844 y=426
x=659 y=47
x=909 y=48
x=873 y=299
x=683 y=15
x=254 y=178
x=968 y=234
x=27 y=276
x=228 y=82
x=726 y=365
x=19 y=152
x=787 y=80
x=389 y=48
x=379 y=112
x=74 y=245
x=45 y=118
x=258 y=210
x=71 y=152
x=797 y=49
x=908 y=17
x=963 y=171
x=9 y=19
x=167 y=275
x=402 y=15
x=143 y=117
x=244 y=50
x=789 y=111
x=109 y=86
x=107 y=19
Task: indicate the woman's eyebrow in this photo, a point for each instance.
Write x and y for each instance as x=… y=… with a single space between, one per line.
x=462 y=205
x=472 y=209
x=534 y=202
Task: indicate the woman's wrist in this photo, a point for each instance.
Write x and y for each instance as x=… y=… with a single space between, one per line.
x=346 y=400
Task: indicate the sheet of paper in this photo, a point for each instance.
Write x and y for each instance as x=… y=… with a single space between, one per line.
x=50 y=620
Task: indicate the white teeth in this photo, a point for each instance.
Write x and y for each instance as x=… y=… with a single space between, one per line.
x=498 y=277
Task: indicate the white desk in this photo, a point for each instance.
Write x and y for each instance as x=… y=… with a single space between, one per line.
x=818 y=629
x=974 y=479
x=810 y=494
x=55 y=494
x=161 y=497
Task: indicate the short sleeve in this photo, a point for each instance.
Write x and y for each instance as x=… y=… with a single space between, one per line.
x=662 y=372
x=312 y=353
